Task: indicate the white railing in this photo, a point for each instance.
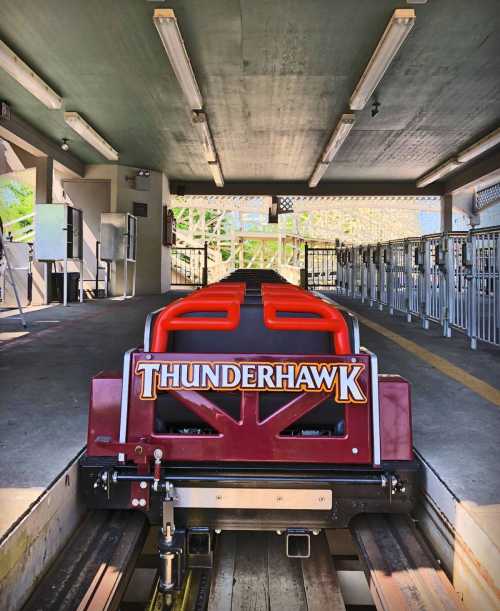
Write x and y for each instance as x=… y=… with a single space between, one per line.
x=23 y=234
x=452 y=279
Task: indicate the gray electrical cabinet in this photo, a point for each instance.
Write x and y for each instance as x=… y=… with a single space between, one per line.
x=118 y=236
x=58 y=232
x=59 y=237
x=119 y=243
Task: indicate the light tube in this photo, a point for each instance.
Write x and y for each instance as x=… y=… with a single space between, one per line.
x=479 y=147
x=338 y=136
x=318 y=173
x=27 y=78
x=398 y=28
x=216 y=173
x=201 y=123
x=88 y=133
x=441 y=170
x=166 y=24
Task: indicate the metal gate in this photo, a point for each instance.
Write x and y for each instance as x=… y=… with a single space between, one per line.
x=189 y=266
x=320 y=268
x=452 y=279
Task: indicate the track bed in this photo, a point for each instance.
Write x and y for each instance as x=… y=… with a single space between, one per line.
x=250 y=571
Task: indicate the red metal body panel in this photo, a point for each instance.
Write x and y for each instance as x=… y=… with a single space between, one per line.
x=395 y=418
x=104 y=414
x=248 y=439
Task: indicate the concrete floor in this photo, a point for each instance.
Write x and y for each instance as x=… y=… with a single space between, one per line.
x=44 y=382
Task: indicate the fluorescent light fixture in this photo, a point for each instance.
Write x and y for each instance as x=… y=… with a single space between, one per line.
x=481 y=146
x=201 y=123
x=216 y=173
x=338 y=136
x=442 y=170
x=398 y=28
x=26 y=77
x=88 y=133
x=166 y=24
x=318 y=173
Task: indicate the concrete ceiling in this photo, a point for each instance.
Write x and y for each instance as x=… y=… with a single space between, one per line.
x=275 y=75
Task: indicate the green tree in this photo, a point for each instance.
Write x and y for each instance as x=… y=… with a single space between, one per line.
x=16 y=200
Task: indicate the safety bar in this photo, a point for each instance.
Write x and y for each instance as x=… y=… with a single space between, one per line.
x=170 y=318
x=217 y=296
x=331 y=319
x=236 y=290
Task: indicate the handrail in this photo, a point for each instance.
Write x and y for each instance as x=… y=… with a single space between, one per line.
x=18 y=220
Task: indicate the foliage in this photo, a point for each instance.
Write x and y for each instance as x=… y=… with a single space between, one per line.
x=16 y=200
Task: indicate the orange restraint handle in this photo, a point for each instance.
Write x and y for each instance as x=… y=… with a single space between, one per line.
x=331 y=319
x=169 y=319
x=221 y=290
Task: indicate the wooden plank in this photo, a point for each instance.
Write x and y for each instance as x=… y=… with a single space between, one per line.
x=321 y=584
x=251 y=587
x=286 y=585
x=401 y=571
x=221 y=590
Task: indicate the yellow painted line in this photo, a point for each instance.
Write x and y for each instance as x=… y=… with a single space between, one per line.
x=483 y=389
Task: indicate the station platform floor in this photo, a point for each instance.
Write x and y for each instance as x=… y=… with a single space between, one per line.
x=44 y=386
x=45 y=372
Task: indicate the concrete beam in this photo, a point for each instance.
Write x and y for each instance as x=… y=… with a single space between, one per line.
x=179 y=187
x=474 y=173
x=21 y=133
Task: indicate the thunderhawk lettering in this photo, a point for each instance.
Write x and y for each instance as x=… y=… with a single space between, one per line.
x=342 y=379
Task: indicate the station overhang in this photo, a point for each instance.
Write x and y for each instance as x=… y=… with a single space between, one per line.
x=301 y=188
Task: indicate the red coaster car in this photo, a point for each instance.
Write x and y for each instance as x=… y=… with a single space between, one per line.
x=250 y=406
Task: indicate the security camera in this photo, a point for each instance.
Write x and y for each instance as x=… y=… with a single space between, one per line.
x=375 y=108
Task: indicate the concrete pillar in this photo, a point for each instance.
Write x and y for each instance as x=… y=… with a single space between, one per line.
x=447 y=212
x=459 y=201
x=44 y=177
x=43 y=195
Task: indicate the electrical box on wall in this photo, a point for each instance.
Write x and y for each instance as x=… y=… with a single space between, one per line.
x=169 y=228
x=143 y=180
x=118 y=236
x=58 y=232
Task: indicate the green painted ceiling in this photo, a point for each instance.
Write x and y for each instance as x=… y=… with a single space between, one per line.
x=275 y=76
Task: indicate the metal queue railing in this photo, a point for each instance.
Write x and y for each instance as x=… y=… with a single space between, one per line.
x=452 y=279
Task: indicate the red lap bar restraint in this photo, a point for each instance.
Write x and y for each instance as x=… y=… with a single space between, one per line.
x=288 y=298
x=223 y=297
x=228 y=296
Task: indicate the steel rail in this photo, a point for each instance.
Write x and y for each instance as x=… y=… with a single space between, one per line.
x=401 y=570
x=94 y=568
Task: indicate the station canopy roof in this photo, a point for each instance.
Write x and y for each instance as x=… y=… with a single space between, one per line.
x=275 y=76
